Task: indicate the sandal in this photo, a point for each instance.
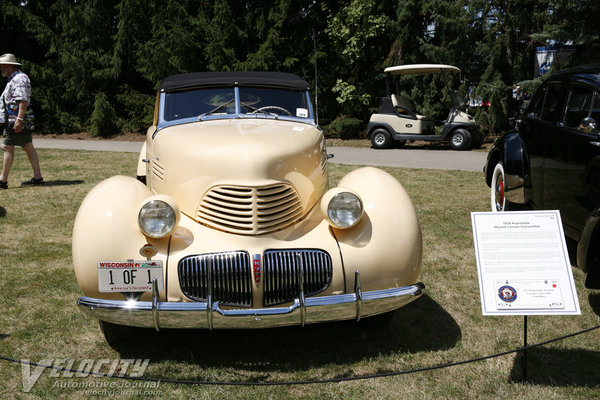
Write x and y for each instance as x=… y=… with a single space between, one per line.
x=33 y=182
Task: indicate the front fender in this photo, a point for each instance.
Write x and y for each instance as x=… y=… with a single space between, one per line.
x=510 y=150
x=386 y=245
x=106 y=226
x=141 y=165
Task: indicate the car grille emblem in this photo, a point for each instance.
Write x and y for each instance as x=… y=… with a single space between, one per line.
x=256 y=268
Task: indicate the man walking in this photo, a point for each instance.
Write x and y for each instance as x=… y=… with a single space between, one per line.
x=14 y=102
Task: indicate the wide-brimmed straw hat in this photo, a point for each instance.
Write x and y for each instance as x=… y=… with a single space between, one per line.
x=9 y=59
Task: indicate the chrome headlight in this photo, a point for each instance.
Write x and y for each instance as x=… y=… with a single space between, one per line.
x=342 y=208
x=158 y=216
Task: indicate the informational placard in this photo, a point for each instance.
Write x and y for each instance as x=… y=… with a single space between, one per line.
x=523 y=264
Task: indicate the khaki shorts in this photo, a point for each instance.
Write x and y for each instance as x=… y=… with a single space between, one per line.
x=16 y=139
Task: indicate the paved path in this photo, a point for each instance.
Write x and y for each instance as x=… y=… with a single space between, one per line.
x=407 y=158
x=410 y=158
x=94 y=145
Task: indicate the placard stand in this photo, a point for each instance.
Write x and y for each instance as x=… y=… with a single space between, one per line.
x=524 y=352
x=523 y=266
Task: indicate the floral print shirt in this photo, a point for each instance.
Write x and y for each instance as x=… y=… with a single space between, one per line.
x=18 y=88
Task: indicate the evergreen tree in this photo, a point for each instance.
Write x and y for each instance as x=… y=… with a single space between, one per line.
x=90 y=60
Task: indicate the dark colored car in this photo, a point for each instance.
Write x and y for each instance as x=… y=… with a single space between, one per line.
x=552 y=161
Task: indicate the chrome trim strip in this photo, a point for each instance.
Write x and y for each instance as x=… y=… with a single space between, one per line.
x=185 y=315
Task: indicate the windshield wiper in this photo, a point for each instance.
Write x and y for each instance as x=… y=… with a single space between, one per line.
x=214 y=110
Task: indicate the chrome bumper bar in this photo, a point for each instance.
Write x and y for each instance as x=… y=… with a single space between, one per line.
x=209 y=315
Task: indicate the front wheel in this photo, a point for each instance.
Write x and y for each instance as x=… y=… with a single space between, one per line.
x=497 y=190
x=460 y=139
x=381 y=139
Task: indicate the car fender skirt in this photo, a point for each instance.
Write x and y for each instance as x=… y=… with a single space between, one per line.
x=208 y=315
x=515 y=189
x=516 y=169
x=587 y=243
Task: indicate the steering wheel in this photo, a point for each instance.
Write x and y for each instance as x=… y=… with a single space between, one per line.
x=262 y=109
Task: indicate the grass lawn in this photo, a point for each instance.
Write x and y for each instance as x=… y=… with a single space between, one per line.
x=39 y=319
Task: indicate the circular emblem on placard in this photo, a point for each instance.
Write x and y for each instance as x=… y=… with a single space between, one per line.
x=507 y=293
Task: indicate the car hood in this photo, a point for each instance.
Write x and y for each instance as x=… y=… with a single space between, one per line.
x=241 y=176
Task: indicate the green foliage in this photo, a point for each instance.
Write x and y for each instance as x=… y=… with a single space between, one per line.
x=345 y=127
x=74 y=50
x=103 y=121
x=138 y=109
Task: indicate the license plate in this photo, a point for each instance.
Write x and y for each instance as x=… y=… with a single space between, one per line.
x=129 y=276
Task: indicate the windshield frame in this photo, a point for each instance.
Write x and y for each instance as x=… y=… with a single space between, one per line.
x=163 y=123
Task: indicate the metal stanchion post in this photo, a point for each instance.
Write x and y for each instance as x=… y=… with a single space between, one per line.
x=524 y=352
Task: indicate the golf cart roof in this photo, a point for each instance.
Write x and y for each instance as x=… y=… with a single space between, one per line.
x=421 y=69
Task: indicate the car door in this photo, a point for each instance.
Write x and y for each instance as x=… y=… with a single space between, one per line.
x=572 y=158
x=536 y=129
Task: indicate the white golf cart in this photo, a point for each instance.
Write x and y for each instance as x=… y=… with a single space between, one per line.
x=397 y=121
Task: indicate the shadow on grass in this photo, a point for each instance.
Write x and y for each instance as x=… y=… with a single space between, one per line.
x=572 y=250
x=2 y=212
x=558 y=367
x=594 y=299
x=417 y=327
x=4 y=336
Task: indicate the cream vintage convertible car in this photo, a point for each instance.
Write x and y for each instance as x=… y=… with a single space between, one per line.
x=231 y=222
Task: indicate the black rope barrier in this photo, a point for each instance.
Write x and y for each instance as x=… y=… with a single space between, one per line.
x=304 y=382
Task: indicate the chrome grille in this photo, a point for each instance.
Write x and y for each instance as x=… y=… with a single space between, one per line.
x=280 y=271
x=229 y=272
x=250 y=210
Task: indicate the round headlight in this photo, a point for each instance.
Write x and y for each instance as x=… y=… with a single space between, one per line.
x=344 y=209
x=157 y=219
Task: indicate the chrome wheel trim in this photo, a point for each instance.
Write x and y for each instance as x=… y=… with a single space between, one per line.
x=497 y=189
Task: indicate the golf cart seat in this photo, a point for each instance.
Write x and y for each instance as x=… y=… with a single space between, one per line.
x=403 y=106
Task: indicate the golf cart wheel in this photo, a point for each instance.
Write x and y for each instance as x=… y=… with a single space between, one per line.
x=381 y=139
x=460 y=139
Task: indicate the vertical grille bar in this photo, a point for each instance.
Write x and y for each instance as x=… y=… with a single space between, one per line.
x=280 y=270
x=231 y=277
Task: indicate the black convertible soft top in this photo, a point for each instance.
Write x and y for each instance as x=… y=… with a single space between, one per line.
x=281 y=80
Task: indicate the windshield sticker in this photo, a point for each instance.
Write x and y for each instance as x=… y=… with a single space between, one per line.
x=302 y=112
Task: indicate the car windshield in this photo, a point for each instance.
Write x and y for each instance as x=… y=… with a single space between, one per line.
x=192 y=103
x=273 y=101
x=253 y=101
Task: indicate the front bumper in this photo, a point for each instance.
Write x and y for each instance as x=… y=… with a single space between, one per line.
x=209 y=315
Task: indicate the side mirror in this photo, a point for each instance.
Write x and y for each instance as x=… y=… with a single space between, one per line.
x=588 y=125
